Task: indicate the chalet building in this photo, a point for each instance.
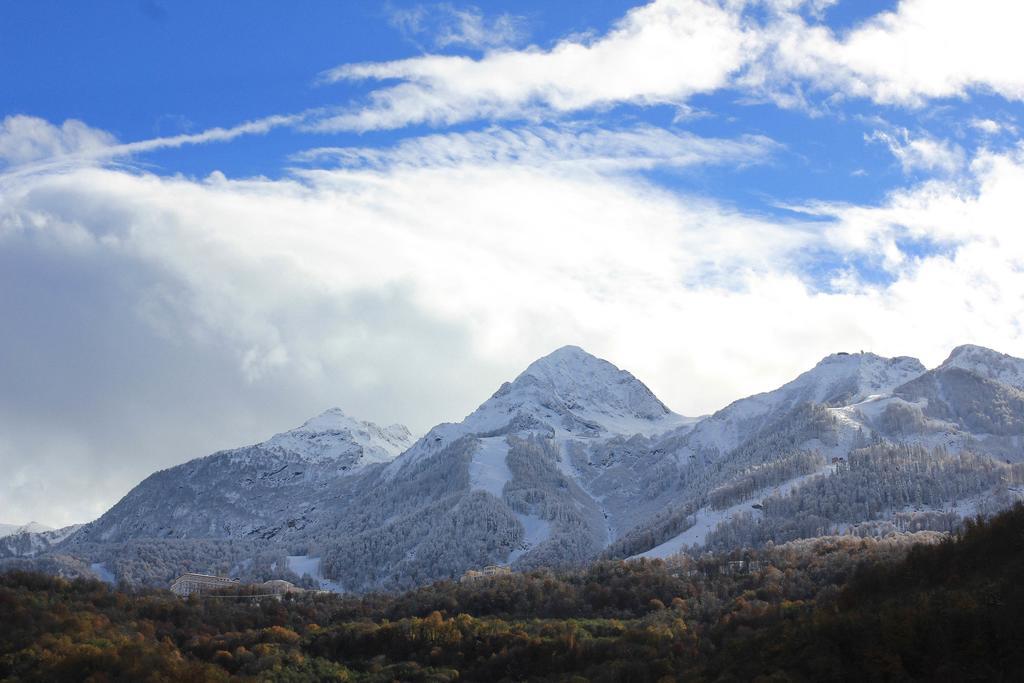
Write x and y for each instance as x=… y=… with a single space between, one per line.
x=278 y=588
x=488 y=571
x=187 y=584
x=740 y=567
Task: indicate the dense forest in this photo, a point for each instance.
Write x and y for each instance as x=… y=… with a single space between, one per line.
x=910 y=606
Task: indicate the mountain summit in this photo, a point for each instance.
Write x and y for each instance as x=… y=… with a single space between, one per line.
x=585 y=382
x=987 y=363
x=30 y=528
x=577 y=393
x=838 y=379
x=333 y=435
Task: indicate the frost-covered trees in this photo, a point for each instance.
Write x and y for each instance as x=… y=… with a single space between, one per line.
x=880 y=481
x=540 y=489
x=759 y=477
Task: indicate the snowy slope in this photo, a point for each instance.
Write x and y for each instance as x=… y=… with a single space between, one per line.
x=706 y=519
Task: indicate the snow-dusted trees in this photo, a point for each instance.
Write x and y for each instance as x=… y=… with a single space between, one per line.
x=539 y=488
x=759 y=477
x=900 y=419
x=665 y=525
x=880 y=481
x=978 y=404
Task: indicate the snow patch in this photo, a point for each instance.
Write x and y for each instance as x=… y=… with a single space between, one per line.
x=488 y=470
x=102 y=573
x=536 y=530
x=302 y=565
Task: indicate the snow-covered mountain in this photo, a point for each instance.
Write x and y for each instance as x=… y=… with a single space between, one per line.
x=576 y=459
x=838 y=380
x=30 y=528
x=260 y=491
x=568 y=394
x=335 y=438
x=989 y=364
x=587 y=394
x=29 y=540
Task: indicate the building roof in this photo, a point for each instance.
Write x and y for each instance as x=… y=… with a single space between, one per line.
x=204 y=577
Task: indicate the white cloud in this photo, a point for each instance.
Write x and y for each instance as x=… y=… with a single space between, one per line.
x=471 y=29
x=25 y=139
x=924 y=49
x=450 y=26
x=987 y=126
x=662 y=52
x=218 y=134
x=580 y=145
x=32 y=145
x=669 y=50
x=991 y=127
x=922 y=153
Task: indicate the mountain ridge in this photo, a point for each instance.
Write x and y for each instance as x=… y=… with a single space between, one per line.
x=575 y=459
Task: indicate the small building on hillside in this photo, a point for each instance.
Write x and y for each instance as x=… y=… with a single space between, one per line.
x=278 y=588
x=489 y=570
x=189 y=583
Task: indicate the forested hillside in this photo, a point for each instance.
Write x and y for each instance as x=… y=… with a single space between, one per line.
x=909 y=606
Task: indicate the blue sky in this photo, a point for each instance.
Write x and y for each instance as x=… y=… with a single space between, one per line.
x=219 y=219
x=147 y=69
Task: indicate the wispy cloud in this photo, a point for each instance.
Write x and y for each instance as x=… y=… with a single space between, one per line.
x=590 y=146
x=659 y=53
x=32 y=145
x=446 y=25
x=669 y=50
x=920 y=153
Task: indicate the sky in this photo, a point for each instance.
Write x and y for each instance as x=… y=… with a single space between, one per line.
x=219 y=219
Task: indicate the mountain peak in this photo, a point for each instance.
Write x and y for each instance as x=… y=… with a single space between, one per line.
x=332 y=418
x=572 y=390
x=987 y=363
x=588 y=383
x=334 y=435
x=837 y=379
x=565 y=362
x=851 y=377
x=30 y=528
x=975 y=352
